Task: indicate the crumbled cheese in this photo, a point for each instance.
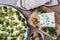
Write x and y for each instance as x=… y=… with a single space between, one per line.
x=15 y=32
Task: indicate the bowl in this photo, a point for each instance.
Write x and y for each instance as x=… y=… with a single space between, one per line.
x=40 y=35
x=20 y=12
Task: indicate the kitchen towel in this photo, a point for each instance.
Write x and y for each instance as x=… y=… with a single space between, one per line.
x=11 y=2
x=29 y=4
x=52 y=3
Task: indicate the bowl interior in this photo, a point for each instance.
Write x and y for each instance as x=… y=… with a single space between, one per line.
x=40 y=34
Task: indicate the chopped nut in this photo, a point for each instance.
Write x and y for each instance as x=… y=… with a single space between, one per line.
x=37 y=38
x=34 y=21
x=31 y=38
x=35 y=35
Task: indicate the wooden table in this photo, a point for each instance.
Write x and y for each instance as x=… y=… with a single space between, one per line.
x=54 y=8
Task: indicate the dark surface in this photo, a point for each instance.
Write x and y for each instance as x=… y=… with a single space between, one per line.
x=54 y=8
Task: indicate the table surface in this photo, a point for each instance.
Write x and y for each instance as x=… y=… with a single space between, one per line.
x=28 y=13
x=54 y=8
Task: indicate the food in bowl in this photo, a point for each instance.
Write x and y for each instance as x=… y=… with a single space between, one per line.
x=12 y=24
x=36 y=36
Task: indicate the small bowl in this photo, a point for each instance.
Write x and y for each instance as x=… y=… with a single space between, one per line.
x=40 y=34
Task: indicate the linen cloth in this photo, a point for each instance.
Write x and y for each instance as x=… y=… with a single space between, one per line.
x=30 y=4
